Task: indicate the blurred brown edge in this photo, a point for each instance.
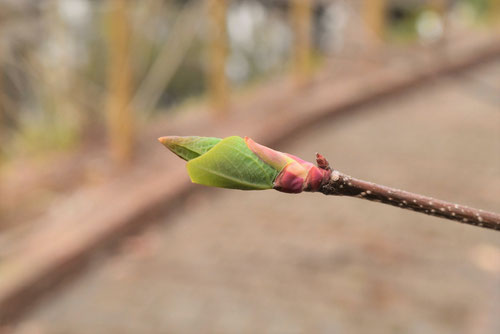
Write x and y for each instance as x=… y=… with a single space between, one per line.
x=385 y=82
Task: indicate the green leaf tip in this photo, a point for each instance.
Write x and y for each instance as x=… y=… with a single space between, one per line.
x=189 y=147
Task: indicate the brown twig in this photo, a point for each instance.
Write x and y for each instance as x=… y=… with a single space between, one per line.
x=344 y=185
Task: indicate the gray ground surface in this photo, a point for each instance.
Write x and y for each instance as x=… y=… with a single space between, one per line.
x=266 y=262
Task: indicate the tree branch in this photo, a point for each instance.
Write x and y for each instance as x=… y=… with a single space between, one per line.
x=257 y=167
x=344 y=185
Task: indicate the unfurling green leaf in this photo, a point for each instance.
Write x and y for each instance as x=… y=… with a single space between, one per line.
x=231 y=164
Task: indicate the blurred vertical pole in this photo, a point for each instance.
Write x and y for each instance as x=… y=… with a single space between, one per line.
x=218 y=49
x=441 y=8
x=2 y=106
x=495 y=12
x=119 y=112
x=59 y=74
x=374 y=17
x=2 y=111
x=301 y=12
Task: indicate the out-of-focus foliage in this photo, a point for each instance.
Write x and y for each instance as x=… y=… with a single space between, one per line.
x=410 y=20
x=54 y=56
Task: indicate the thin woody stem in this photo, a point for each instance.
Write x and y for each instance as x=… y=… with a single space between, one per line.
x=344 y=185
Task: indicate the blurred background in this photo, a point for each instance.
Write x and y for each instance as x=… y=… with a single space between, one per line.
x=102 y=232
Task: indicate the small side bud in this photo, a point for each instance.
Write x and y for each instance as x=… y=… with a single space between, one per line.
x=322 y=162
